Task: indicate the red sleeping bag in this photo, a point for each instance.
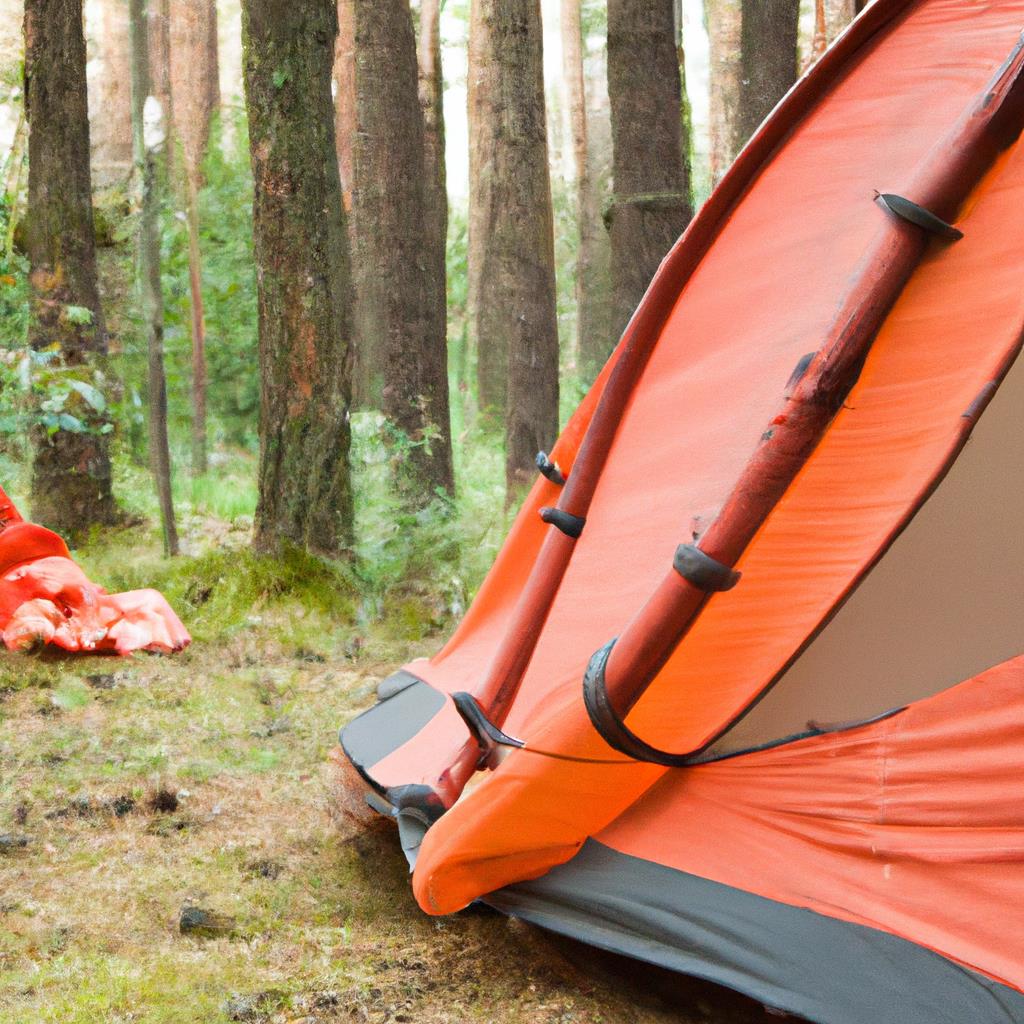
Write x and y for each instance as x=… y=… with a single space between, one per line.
x=46 y=598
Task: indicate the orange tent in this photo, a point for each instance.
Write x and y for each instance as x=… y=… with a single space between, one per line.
x=744 y=694
x=46 y=598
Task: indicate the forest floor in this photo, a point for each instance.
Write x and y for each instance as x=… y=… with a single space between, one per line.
x=144 y=785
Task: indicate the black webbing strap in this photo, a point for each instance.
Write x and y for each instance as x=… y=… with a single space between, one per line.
x=703 y=571
x=611 y=727
x=549 y=469
x=570 y=525
x=914 y=214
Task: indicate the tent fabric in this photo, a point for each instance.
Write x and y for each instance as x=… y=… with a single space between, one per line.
x=46 y=598
x=904 y=825
x=789 y=958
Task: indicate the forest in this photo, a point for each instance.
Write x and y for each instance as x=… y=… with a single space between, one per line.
x=293 y=298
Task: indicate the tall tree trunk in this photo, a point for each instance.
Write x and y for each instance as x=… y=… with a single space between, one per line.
x=396 y=224
x=305 y=494
x=111 y=125
x=195 y=88
x=345 y=97
x=819 y=40
x=651 y=203
x=724 y=33
x=71 y=485
x=151 y=298
x=838 y=14
x=768 y=60
x=512 y=269
x=597 y=333
x=435 y=222
x=158 y=35
x=576 y=99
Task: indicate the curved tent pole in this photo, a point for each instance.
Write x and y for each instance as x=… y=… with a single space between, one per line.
x=621 y=671
x=498 y=688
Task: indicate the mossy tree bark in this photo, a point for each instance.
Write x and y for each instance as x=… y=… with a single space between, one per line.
x=511 y=244
x=768 y=61
x=71 y=479
x=151 y=298
x=302 y=266
x=400 y=311
x=651 y=201
x=195 y=88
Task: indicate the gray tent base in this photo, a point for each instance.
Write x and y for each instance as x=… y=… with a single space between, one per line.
x=816 y=967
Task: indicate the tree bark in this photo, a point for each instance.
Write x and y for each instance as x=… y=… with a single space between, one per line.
x=596 y=331
x=195 y=87
x=431 y=93
x=158 y=35
x=576 y=100
x=71 y=478
x=111 y=125
x=302 y=262
x=838 y=14
x=724 y=29
x=768 y=61
x=651 y=202
x=345 y=97
x=512 y=264
x=400 y=332
x=150 y=292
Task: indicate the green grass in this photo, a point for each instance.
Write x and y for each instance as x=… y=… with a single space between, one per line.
x=239 y=727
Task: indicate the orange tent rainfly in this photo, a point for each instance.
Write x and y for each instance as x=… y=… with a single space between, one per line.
x=743 y=694
x=46 y=598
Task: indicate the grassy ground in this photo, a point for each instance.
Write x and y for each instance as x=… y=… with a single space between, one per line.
x=148 y=784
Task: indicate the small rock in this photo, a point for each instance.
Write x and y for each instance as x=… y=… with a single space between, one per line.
x=9 y=842
x=121 y=805
x=274 y=727
x=205 y=924
x=102 y=681
x=265 y=868
x=245 y=1008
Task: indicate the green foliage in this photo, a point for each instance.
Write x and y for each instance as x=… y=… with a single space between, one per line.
x=229 y=295
x=230 y=588
x=14 y=308
x=438 y=554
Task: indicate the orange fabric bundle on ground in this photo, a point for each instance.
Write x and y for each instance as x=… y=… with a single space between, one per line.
x=46 y=598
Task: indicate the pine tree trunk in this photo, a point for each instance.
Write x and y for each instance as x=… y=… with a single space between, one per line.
x=345 y=97
x=431 y=92
x=768 y=60
x=651 y=203
x=301 y=252
x=576 y=98
x=513 y=266
x=71 y=479
x=838 y=14
x=724 y=27
x=150 y=291
x=111 y=128
x=400 y=296
x=158 y=34
x=597 y=333
x=195 y=88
